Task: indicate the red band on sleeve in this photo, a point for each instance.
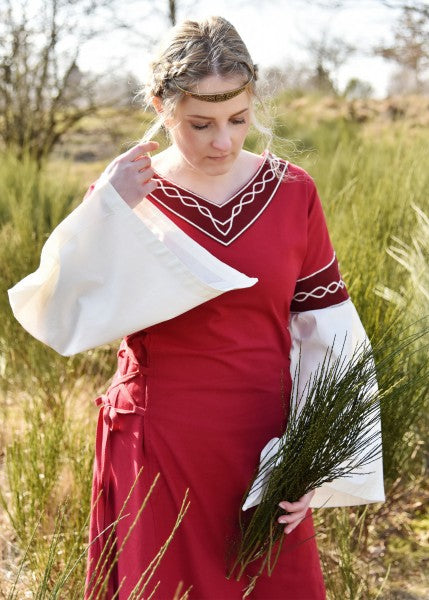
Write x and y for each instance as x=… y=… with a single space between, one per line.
x=322 y=288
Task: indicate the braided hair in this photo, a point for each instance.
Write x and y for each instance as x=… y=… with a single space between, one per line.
x=192 y=51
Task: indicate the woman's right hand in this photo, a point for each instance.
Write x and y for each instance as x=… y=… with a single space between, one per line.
x=131 y=173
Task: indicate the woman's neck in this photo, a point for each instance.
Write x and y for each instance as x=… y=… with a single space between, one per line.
x=216 y=188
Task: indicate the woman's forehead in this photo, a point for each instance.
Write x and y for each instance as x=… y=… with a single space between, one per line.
x=193 y=107
x=235 y=107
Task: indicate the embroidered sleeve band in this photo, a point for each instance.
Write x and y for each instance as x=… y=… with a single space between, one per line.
x=323 y=288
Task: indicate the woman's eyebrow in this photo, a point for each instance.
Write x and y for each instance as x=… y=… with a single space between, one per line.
x=210 y=118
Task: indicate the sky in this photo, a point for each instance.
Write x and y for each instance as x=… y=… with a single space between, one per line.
x=276 y=32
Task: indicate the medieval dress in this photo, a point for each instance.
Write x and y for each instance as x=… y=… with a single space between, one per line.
x=215 y=303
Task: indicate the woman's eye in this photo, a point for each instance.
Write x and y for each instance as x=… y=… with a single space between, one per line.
x=233 y=121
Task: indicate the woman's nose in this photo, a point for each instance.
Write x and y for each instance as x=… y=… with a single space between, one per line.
x=222 y=140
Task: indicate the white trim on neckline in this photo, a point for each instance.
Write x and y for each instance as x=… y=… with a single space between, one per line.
x=234 y=213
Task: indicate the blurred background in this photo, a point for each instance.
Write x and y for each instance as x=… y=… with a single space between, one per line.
x=345 y=84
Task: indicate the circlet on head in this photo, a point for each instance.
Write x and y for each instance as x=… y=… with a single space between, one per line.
x=219 y=97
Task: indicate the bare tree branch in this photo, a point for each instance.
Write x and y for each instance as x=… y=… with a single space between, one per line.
x=417 y=6
x=327 y=55
x=420 y=8
x=410 y=47
x=43 y=93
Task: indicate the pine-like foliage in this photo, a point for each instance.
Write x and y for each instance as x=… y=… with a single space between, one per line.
x=332 y=432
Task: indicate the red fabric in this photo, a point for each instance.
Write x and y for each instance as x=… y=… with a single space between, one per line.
x=225 y=222
x=211 y=388
x=321 y=289
x=319 y=284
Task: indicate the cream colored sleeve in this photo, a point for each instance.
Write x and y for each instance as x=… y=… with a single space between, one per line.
x=313 y=332
x=107 y=271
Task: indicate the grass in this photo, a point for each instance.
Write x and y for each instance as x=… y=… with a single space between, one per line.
x=373 y=181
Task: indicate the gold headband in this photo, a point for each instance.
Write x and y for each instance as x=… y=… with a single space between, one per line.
x=221 y=97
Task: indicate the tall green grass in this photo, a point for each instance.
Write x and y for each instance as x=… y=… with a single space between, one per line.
x=368 y=187
x=45 y=398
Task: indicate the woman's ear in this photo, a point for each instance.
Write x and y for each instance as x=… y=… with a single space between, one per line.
x=167 y=121
x=157 y=104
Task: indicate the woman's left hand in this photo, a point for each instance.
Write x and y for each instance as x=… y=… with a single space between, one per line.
x=296 y=511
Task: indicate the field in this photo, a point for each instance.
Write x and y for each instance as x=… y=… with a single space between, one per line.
x=370 y=160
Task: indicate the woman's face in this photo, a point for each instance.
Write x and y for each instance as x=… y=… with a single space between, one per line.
x=210 y=135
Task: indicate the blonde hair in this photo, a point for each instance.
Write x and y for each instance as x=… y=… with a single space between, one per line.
x=192 y=51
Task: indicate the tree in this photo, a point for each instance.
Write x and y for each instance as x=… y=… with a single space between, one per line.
x=358 y=89
x=410 y=48
x=327 y=55
x=419 y=7
x=43 y=91
x=289 y=76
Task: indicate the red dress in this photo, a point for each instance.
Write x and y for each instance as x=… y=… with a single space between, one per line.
x=197 y=397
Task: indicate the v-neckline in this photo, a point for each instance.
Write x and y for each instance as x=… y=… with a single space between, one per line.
x=264 y=157
x=224 y=223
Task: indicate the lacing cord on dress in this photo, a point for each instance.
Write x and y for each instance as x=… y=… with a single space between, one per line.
x=116 y=401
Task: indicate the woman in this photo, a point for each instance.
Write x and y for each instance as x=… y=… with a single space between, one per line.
x=219 y=275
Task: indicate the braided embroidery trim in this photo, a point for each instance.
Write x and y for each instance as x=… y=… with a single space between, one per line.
x=320 y=291
x=224 y=227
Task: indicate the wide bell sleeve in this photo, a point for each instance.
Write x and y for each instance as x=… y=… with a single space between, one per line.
x=339 y=328
x=323 y=317
x=108 y=270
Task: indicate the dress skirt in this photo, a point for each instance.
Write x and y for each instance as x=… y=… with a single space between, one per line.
x=203 y=440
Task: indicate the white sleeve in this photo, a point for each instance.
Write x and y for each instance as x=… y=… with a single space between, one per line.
x=312 y=333
x=107 y=271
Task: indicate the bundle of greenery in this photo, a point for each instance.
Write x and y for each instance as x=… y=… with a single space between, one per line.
x=333 y=431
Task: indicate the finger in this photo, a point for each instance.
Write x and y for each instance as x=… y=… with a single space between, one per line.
x=147 y=175
x=140 y=157
x=150 y=186
x=291 y=527
x=292 y=518
x=293 y=506
x=140 y=150
x=147 y=172
x=300 y=504
x=145 y=164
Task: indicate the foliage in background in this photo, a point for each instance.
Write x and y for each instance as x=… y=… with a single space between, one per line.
x=45 y=398
x=43 y=91
x=410 y=49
